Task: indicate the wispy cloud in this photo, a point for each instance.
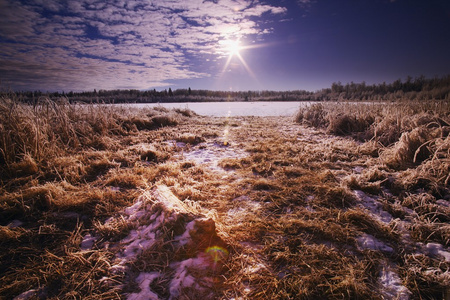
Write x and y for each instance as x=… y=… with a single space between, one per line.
x=89 y=44
x=305 y=3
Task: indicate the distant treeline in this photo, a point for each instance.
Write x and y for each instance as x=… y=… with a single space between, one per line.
x=419 y=88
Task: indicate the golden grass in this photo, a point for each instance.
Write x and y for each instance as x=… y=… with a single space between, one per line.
x=287 y=208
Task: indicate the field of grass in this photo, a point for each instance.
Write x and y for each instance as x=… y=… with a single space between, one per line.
x=340 y=202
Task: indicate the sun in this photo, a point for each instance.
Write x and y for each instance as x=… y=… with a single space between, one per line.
x=232 y=47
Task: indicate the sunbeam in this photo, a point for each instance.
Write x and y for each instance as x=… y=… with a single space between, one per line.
x=233 y=48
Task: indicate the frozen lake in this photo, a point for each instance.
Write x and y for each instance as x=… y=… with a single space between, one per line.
x=233 y=109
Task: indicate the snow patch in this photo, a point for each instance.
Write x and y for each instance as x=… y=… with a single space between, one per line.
x=88 y=242
x=211 y=153
x=144 y=280
x=358 y=169
x=392 y=287
x=367 y=241
x=435 y=249
x=152 y=218
x=186 y=237
x=254 y=268
x=14 y=224
x=374 y=207
x=183 y=277
x=443 y=202
x=26 y=295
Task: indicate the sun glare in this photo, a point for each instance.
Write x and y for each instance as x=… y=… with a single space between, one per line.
x=233 y=47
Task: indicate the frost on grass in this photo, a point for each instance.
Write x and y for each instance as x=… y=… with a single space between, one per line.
x=210 y=154
x=171 y=252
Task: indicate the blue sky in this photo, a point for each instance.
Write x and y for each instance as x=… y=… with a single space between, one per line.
x=82 y=45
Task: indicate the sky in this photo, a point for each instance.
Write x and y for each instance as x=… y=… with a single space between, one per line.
x=236 y=45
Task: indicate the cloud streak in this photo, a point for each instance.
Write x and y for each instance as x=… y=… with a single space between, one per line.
x=87 y=44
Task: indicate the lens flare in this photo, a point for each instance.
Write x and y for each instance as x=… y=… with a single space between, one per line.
x=217 y=253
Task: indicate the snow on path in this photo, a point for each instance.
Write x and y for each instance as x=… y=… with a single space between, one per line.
x=367 y=241
x=373 y=207
x=200 y=251
x=392 y=287
x=210 y=154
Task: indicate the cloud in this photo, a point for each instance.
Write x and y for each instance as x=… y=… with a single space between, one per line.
x=305 y=3
x=87 y=44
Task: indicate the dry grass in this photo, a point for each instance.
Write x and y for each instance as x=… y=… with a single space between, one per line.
x=64 y=169
x=413 y=135
x=410 y=174
x=286 y=207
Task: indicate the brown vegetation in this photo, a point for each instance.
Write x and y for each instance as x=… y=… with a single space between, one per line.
x=285 y=203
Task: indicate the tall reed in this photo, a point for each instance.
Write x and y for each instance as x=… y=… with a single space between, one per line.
x=53 y=128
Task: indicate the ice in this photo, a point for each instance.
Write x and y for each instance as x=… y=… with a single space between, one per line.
x=235 y=108
x=367 y=241
x=392 y=287
x=144 y=280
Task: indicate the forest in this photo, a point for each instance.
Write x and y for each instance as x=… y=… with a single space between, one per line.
x=419 y=88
